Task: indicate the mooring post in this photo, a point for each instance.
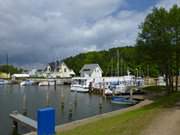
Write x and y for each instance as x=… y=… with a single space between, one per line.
x=131 y=93
x=100 y=103
x=47 y=98
x=62 y=100
x=55 y=84
x=24 y=104
x=15 y=125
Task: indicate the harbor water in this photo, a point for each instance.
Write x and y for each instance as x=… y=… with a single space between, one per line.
x=69 y=105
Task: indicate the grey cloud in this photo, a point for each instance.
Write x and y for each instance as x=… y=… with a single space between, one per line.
x=39 y=31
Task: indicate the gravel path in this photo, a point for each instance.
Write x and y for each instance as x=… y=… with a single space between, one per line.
x=166 y=123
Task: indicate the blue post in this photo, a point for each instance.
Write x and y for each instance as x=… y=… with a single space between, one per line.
x=46 y=121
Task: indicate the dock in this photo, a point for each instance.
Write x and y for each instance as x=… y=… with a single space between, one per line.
x=26 y=121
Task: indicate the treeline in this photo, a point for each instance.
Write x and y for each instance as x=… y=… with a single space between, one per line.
x=10 y=69
x=114 y=62
x=157 y=50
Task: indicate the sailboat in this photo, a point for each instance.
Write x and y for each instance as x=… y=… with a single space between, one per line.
x=3 y=82
x=26 y=83
x=118 y=86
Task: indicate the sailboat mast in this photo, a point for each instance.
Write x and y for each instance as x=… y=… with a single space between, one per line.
x=7 y=63
x=117 y=62
x=112 y=67
x=121 y=66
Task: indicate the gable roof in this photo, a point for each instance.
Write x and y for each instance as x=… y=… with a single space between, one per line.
x=55 y=65
x=90 y=68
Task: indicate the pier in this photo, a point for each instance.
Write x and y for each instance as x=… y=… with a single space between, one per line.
x=58 y=81
x=26 y=121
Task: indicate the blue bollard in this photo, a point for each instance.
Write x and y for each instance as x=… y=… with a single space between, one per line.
x=46 y=121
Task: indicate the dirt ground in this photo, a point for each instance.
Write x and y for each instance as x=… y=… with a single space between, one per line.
x=166 y=123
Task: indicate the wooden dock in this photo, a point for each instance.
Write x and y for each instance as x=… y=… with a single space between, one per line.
x=26 y=121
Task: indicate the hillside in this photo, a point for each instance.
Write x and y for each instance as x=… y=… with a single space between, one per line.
x=109 y=59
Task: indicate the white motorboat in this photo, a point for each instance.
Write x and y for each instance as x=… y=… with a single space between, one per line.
x=47 y=83
x=3 y=82
x=120 y=88
x=26 y=83
x=161 y=81
x=108 y=92
x=81 y=84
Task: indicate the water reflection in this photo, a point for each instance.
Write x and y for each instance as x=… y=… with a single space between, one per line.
x=69 y=105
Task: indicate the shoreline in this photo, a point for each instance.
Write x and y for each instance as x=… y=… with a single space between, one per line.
x=76 y=123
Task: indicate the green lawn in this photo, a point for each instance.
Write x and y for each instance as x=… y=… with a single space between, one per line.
x=129 y=123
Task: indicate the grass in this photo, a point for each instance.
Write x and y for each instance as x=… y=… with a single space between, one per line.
x=129 y=123
x=155 y=89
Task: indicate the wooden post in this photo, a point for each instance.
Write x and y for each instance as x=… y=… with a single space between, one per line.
x=15 y=125
x=104 y=92
x=70 y=111
x=47 y=99
x=24 y=105
x=131 y=94
x=55 y=84
x=62 y=101
x=100 y=103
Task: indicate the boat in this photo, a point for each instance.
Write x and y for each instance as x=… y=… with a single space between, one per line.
x=161 y=81
x=47 y=83
x=123 y=101
x=118 y=87
x=26 y=83
x=108 y=92
x=81 y=84
x=3 y=82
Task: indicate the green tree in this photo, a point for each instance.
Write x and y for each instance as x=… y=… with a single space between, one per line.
x=174 y=19
x=157 y=41
x=10 y=69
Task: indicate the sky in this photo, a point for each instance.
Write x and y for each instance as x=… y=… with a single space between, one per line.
x=35 y=32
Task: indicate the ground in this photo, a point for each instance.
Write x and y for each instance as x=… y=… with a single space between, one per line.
x=165 y=123
x=159 y=118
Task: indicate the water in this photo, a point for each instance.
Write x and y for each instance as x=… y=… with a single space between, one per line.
x=69 y=105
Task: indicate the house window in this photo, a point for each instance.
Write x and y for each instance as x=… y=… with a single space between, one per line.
x=65 y=70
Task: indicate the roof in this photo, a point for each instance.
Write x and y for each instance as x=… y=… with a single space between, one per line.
x=90 y=68
x=55 y=65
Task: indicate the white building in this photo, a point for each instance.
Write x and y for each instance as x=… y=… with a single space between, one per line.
x=59 y=69
x=20 y=76
x=91 y=70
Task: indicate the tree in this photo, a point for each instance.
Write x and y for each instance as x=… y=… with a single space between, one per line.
x=157 y=41
x=10 y=69
x=174 y=18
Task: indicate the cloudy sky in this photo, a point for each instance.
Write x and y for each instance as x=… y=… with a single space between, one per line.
x=34 y=32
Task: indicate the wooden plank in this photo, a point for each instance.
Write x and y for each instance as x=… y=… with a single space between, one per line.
x=32 y=124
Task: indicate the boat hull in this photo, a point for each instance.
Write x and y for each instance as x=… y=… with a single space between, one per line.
x=47 y=83
x=4 y=82
x=122 y=101
x=79 y=89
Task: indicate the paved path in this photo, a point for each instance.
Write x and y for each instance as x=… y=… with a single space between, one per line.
x=166 y=123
